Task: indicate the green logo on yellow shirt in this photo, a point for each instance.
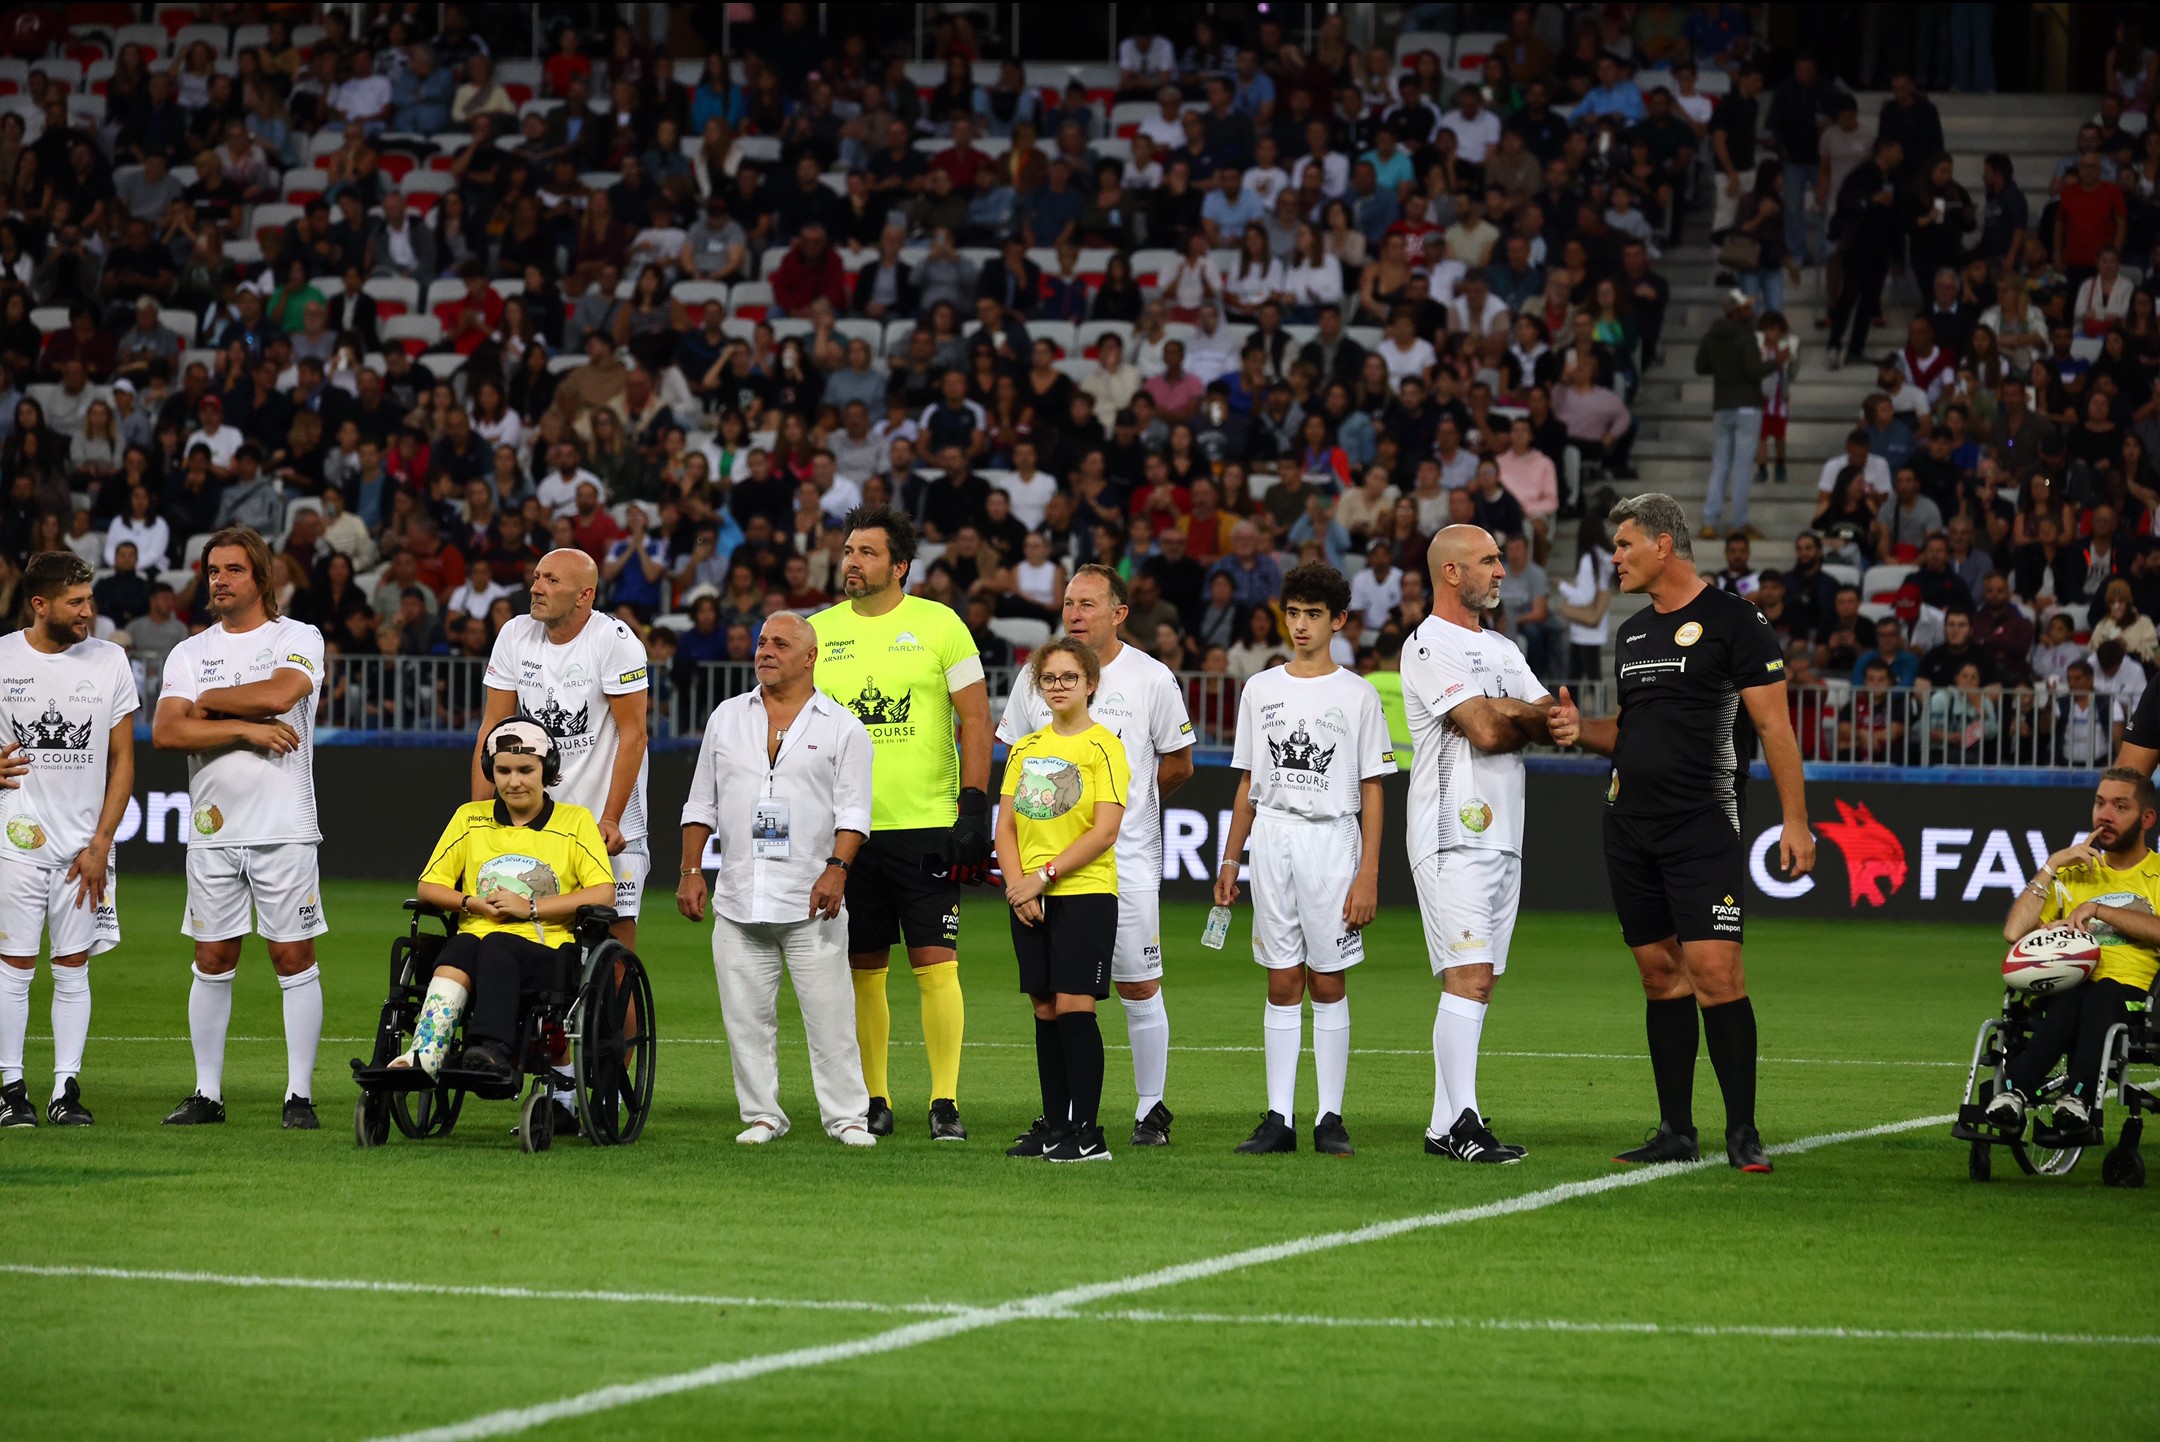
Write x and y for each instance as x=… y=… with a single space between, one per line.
x=1049 y=786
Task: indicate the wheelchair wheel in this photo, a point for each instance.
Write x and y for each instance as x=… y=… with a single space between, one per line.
x=371 y=1120
x=426 y=1114
x=536 y=1120
x=614 y=1047
x=1980 y=1165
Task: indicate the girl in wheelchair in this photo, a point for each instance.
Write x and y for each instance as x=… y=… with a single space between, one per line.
x=2109 y=885
x=514 y=870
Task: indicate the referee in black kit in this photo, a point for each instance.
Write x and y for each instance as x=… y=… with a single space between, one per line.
x=1674 y=852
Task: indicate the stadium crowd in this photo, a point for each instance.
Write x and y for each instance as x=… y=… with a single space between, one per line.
x=422 y=312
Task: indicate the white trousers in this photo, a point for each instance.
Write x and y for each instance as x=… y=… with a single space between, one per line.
x=747 y=960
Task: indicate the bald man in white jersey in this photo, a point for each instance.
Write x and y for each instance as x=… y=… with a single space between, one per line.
x=583 y=678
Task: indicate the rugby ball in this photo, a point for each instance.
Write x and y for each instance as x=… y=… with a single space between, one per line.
x=2054 y=958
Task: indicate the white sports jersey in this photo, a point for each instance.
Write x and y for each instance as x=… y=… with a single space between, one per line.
x=243 y=796
x=565 y=689
x=1309 y=741
x=61 y=711
x=1140 y=702
x=1461 y=796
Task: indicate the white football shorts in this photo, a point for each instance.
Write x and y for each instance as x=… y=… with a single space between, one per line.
x=1138 y=955
x=39 y=901
x=632 y=865
x=278 y=888
x=1468 y=899
x=1301 y=875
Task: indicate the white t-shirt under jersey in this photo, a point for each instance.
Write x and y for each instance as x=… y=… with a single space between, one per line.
x=565 y=688
x=1139 y=700
x=1461 y=797
x=61 y=710
x=243 y=796
x=1309 y=741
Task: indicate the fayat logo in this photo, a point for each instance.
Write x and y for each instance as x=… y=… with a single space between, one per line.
x=1874 y=857
x=1952 y=863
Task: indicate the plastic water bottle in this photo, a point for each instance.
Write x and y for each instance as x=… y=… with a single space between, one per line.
x=1218 y=929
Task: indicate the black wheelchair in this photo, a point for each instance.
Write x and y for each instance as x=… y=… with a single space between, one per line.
x=2038 y=1148
x=596 y=1010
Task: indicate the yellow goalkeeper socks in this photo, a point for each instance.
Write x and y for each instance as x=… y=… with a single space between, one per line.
x=944 y=1018
x=873 y=1028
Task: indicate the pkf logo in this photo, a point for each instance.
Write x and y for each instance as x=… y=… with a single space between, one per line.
x=1874 y=857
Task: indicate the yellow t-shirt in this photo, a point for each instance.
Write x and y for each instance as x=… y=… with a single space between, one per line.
x=2120 y=960
x=1052 y=783
x=897 y=673
x=481 y=850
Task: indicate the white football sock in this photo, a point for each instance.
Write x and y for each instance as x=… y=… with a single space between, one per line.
x=1147 y=1028
x=1443 y=1115
x=1285 y=1038
x=14 y=1020
x=1331 y=1052
x=565 y=1087
x=303 y=1030
x=70 y=1022
x=209 y=1017
x=1455 y=1038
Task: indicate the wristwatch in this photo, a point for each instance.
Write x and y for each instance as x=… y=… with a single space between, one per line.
x=836 y=861
x=1048 y=874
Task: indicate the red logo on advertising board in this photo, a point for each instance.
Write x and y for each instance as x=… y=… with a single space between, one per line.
x=1874 y=857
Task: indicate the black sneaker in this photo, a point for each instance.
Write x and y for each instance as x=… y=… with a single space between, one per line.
x=300 y=1114
x=880 y=1117
x=1153 y=1130
x=1033 y=1142
x=1744 y=1149
x=1081 y=1144
x=945 y=1125
x=1329 y=1136
x=16 y=1109
x=66 y=1109
x=1662 y=1146
x=1470 y=1140
x=566 y=1122
x=2006 y=1109
x=197 y=1111
x=1272 y=1135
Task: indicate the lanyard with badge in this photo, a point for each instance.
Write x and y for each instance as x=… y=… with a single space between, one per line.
x=769 y=821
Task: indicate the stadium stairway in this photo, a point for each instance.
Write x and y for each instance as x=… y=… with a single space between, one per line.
x=1672 y=452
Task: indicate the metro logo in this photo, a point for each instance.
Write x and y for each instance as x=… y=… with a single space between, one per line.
x=1874 y=857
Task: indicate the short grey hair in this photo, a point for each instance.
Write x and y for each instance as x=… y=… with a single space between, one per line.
x=1656 y=514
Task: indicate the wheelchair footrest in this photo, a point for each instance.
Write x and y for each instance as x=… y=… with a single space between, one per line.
x=1972 y=1125
x=485 y=1085
x=391 y=1079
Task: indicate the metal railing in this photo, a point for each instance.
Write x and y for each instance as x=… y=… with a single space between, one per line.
x=1896 y=729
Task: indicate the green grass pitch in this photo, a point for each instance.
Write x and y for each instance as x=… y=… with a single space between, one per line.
x=1847 y=1295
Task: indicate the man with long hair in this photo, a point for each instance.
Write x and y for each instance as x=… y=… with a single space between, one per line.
x=239 y=699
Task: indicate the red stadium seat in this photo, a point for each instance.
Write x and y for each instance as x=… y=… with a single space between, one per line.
x=175 y=20
x=421 y=201
x=394 y=164
x=519 y=93
x=384 y=309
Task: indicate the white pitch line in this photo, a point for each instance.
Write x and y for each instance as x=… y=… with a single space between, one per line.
x=541 y=1294
x=1229 y=1050
x=1632 y=1329
x=1131 y=1315
x=1047 y=1305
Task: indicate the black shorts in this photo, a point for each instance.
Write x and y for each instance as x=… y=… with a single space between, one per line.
x=890 y=899
x=1683 y=876
x=1069 y=949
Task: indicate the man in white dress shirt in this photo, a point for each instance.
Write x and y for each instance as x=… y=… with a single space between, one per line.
x=783 y=786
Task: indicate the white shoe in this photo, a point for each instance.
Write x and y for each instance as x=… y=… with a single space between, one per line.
x=758 y=1133
x=857 y=1137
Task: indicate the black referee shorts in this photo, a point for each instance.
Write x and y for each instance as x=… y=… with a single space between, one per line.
x=1069 y=950
x=889 y=898
x=1682 y=876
